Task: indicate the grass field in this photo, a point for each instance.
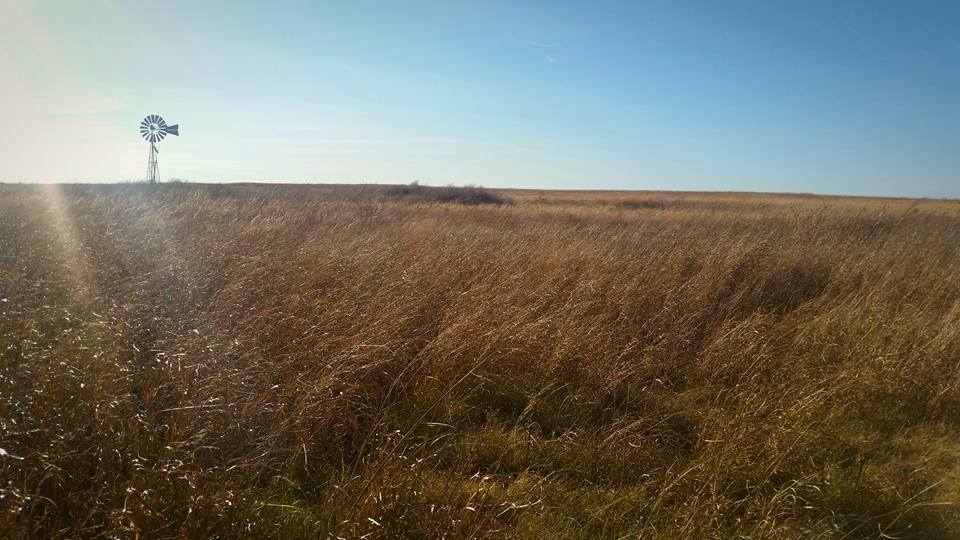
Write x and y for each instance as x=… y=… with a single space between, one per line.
x=308 y=362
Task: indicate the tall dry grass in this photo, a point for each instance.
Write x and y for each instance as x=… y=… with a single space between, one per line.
x=295 y=362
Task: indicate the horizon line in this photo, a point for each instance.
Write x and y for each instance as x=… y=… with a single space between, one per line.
x=182 y=182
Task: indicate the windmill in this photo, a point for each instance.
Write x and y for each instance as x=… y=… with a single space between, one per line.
x=154 y=129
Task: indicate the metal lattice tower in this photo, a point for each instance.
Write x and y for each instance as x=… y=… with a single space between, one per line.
x=153 y=129
x=153 y=172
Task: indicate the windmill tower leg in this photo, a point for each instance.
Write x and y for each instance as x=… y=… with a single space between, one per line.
x=152 y=172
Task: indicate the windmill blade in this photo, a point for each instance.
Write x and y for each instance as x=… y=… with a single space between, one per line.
x=173 y=130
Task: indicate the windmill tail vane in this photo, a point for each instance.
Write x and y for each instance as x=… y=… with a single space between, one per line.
x=153 y=129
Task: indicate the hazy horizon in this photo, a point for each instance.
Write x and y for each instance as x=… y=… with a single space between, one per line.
x=851 y=99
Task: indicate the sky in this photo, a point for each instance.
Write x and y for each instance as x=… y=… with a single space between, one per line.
x=850 y=97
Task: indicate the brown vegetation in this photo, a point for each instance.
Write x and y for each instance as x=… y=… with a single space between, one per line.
x=296 y=362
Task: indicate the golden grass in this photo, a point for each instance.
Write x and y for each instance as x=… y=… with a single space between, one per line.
x=296 y=362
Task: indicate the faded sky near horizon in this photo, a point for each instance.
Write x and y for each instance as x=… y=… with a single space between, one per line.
x=854 y=97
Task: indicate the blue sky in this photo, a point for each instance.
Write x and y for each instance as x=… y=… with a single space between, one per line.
x=843 y=97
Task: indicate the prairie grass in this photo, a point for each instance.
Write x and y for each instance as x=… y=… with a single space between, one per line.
x=315 y=361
